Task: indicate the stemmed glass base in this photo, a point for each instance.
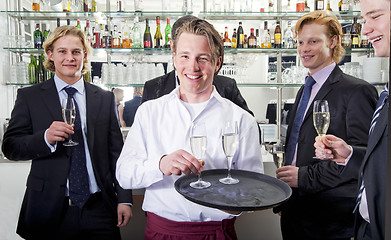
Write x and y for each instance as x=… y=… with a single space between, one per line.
x=229 y=180
x=70 y=143
x=200 y=184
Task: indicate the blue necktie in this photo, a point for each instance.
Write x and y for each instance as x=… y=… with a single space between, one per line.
x=294 y=135
x=379 y=106
x=79 y=190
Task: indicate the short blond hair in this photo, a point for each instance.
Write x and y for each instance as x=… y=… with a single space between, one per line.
x=333 y=26
x=61 y=32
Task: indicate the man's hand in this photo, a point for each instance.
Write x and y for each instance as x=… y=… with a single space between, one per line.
x=180 y=162
x=124 y=213
x=333 y=147
x=58 y=131
x=288 y=174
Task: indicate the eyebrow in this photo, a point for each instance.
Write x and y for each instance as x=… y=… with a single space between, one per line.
x=373 y=12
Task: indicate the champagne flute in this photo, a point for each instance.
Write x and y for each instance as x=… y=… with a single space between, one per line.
x=69 y=116
x=230 y=144
x=321 y=117
x=278 y=155
x=198 y=147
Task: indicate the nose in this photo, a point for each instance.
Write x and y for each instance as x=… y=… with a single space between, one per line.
x=70 y=57
x=367 y=28
x=194 y=64
x=303 y=48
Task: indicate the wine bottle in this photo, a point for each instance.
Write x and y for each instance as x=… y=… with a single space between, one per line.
x=85 y=6
x=93 y=6
x=158 y=38
x=38 y=37
x=32 y=70
x=355 y=33
x=234 y=40
x=240 y=34
x=252 y=40
x=40 y=70
x=277 y=36
x=147 y=35
x=227 y=41
x=167 y=33
x=78 y=24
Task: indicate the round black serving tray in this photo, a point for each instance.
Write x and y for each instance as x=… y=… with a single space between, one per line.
x=255 y=191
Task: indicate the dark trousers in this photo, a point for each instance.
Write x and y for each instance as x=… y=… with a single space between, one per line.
x=93 y=222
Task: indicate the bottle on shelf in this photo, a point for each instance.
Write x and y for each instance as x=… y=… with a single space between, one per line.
x=234 y=39
x=78 y=24
x=227 y=41
x=271 y=6
x=46 y=34
x=58 y=22
x=340 y=5
x=136 y=33
x=319 y=4
x=252 y=40
x=306 y=7
x=116 y=38
x=167 y=33
x=40 y=69
x=138 y=5
x=96 y=36
x=300 y=6
x=266 y=38
x=245 y=42
x=355 y=33
x=365 y=41
x=66 y=6
x=258 y=38
x=344 y=6
x=88 y=32
x=147 y=35
x=240 y=34
x=106 y=38
x=32 y=70
x=38 y=37
x=85 y=5
x=126 y=40
x=68 y=22
x=158 y=38
x=328 y=8
x=277 y=36
x=120 y=6
x=289 y=41
x=93 y=6
x=35 y=5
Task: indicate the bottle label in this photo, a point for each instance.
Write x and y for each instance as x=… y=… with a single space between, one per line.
x=147 y=44
x=227 y=44
x=252 y=42
x=277 y=38
x=355 y=40
x=241 y=38
x=320 y=5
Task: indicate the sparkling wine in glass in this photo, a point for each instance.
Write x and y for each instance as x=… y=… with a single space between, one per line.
x=321 y=116
x=198 y=148
x=278 y=155
x=230 y=145
x=69 y=116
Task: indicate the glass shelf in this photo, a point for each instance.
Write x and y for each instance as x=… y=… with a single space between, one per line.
x=53 y=15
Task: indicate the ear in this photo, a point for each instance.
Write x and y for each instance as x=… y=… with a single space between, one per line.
x=171 y=46
x=50 y=55
x=218 y=64
x=334 y=41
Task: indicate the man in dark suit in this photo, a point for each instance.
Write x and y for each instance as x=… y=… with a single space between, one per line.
x=371 y=199
x=324 y=193
x=53 y=207
x=132 y=105
x=163 y=85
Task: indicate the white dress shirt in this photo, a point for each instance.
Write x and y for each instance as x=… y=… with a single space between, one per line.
x=162 y=126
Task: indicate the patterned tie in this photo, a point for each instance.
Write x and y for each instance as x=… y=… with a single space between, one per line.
x=379 y=106
x=294 y=136
x=79 y=190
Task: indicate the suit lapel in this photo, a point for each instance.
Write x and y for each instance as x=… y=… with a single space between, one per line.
x=50 y=97
x=93 y=100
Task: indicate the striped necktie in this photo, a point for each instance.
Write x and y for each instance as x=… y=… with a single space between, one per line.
x=379 y=106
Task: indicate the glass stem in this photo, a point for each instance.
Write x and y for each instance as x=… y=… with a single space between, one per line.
x=229 y=166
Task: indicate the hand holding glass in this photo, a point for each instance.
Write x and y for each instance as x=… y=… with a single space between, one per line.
x=278 y=155
x=321 y=116
x=69 y=115
x=198 y=147
x=230 y=144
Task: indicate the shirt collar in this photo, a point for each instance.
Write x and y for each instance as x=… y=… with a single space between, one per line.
x=60 y=84
x=214 y=95
x=321 y=76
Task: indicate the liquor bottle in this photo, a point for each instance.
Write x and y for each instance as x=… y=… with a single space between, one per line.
x=46 y=34
x=306 y=7
x=35 y=5
x=66 y=5
x=245 y=42
x=88 y=33
x=126 y=41
x=93 y=6
x=266 y=38
x=234 y=39
x=227 y=41
x=252 y=40
x=300 y=6
x=136 y=30
x=96 y=36
x=289 y=41
x=37 y=37
x=258 y=38
x=328 y=6
x=355 y=33
x=158 y=38
x=32 y=70
x=271 y=6
x=344 y=6
x=40 y=69
x=147 y=35
x=240 y=35
x=78 y=24
x=116 y=38
x=277 y=36
x=167 y=32
x=85 y=6
x=340 y=5
x=319 y=4
x=120 y=6
x=106 y=39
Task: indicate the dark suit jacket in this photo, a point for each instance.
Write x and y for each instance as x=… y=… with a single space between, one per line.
x=130 y=109
x=322 y=205
x=35 y=109
x=163 y=85
x=374 y=173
